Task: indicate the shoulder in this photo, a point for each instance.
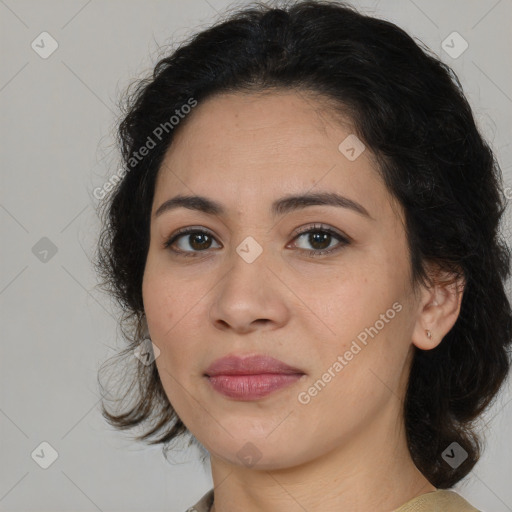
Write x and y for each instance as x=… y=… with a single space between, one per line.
x=204 y=504
x=447 y=501
x=450 y=501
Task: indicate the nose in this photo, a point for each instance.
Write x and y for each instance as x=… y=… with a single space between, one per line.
x=249 y=297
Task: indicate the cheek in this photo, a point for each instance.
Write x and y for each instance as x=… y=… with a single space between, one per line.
x=363 y=308
x=157 y=301
x=174 y=312
x=166 y=295
x=348 y=300
x=165 y=305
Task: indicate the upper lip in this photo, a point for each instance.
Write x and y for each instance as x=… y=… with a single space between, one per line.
x=249 y=365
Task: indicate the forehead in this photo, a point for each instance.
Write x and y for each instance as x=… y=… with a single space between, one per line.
x=262 y=126
x=240 y=146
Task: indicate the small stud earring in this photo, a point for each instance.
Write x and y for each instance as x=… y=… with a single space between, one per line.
x=429 y=334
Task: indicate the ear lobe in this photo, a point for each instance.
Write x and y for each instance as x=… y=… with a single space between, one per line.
x=439 y=310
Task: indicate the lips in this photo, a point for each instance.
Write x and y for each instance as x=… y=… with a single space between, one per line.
x=251 y=365
x=250 y=378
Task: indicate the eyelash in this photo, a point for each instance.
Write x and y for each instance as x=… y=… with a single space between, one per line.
x=344 y=241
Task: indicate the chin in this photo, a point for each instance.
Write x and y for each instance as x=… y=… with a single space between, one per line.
x=257 y=453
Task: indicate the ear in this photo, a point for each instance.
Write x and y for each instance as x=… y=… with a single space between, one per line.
x=439 y=309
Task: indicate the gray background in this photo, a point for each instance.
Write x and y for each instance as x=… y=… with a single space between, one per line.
x=58 y=117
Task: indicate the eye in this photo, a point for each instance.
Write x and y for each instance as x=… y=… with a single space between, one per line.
x=198 y=239
x=320 y=238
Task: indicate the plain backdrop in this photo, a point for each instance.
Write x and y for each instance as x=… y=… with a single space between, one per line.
x=58 y=117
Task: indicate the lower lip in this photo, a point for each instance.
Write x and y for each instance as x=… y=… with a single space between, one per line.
x=251 y=387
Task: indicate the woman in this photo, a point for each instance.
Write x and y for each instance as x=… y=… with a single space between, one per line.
x=307 y=231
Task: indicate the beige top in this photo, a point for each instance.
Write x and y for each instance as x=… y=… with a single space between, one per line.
x=447 y=501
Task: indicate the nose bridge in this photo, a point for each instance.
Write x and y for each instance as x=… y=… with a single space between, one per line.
x=247 y=264
x=250 y=250
x=246 y=293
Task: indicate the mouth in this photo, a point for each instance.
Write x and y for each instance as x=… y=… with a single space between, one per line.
x=250 y=378
x=251 y=387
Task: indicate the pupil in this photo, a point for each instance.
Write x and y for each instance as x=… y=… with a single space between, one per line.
x=196 y=237
x=319 y=237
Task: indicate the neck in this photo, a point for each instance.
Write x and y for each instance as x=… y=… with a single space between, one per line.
x=372 y=471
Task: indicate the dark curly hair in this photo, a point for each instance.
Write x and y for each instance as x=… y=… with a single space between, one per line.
x=410 y=110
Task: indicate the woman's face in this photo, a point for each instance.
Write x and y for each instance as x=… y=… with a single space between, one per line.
x=252 y=285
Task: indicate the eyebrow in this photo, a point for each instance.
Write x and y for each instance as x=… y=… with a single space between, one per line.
x=279 y=207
